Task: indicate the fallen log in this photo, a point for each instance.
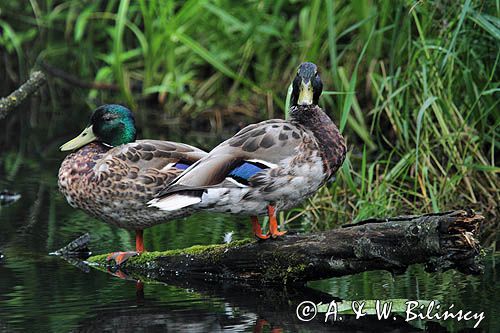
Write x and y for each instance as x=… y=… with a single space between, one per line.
x=441 y=241
x=35 y=81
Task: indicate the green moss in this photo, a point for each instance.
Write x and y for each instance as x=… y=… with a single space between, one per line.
x=213 y=250
x=98 y=259
x=282 y=268
x=278 y=273
x=292 y=272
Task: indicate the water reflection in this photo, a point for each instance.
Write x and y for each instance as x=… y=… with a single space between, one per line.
x=227 y=307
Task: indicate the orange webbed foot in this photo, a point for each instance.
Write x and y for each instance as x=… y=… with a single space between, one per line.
x=278 y=234
x=273 y=223
x=262 y=236
x=120 y=257
x=257 y=230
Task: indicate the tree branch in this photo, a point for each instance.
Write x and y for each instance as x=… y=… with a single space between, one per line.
x=36 y=80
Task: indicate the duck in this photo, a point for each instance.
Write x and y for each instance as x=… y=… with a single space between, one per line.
x=111 y=176
x=266 y=167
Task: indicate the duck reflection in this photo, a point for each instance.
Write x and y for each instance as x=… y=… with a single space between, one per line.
x=238 y=308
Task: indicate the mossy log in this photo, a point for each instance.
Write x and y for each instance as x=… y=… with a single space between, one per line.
x=35 y=81
x=440 y=241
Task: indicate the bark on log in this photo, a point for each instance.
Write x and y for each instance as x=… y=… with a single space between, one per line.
x=35 y=81
x=440 y=241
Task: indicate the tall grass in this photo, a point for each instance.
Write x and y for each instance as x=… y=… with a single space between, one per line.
x=413 y=85
x=433 y=115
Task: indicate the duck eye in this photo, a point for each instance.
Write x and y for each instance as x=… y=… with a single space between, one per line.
x=108 y=117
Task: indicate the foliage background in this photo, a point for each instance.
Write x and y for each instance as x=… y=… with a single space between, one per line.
x=413 y=85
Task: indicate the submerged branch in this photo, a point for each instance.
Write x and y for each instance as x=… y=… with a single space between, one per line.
x=35 y=81
x=441 y=241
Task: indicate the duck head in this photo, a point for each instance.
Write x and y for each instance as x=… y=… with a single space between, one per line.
x=307 y=85
x=111 y=124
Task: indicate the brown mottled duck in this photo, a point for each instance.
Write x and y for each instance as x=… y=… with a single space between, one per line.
x=112 y=176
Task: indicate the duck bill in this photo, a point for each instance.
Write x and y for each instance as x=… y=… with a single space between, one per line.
x=305 y=94
x=87 y=136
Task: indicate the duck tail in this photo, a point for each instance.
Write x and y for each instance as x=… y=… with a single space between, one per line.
x=177 y=200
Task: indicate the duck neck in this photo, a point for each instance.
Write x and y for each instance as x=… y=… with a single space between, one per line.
x=87 y=157
x=331 y=143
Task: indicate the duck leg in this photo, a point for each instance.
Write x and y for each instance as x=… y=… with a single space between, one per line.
x=273 y=223
x=139 y=241
x=257 y=230
x=120 y=257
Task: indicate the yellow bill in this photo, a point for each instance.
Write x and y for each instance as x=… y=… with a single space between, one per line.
x=87 y=136
x=305 y=94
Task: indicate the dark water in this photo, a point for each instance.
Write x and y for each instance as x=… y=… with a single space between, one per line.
x=40 y=293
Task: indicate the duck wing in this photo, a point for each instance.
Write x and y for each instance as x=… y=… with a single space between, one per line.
x=146 y=164
x=235 y=161
x=155 y=154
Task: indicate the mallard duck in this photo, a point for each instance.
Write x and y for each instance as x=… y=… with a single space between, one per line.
x=112 y=176
x=266 y=167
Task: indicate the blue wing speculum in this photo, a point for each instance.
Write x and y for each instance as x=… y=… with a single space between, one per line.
x=245 y=171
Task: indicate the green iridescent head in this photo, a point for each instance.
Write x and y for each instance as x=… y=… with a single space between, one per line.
x=111 y=124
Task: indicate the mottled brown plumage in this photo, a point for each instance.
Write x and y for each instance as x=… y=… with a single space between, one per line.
x=114 y=184
x=111 y=176
x=331 y=143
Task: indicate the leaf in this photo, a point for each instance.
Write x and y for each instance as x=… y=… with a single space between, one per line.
x=81 y=23
x=428 y=102
x=482 y=167
x=489 y=23
x=213 y=60
x=346 y=172
x=288 y=101
x=457 y=30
